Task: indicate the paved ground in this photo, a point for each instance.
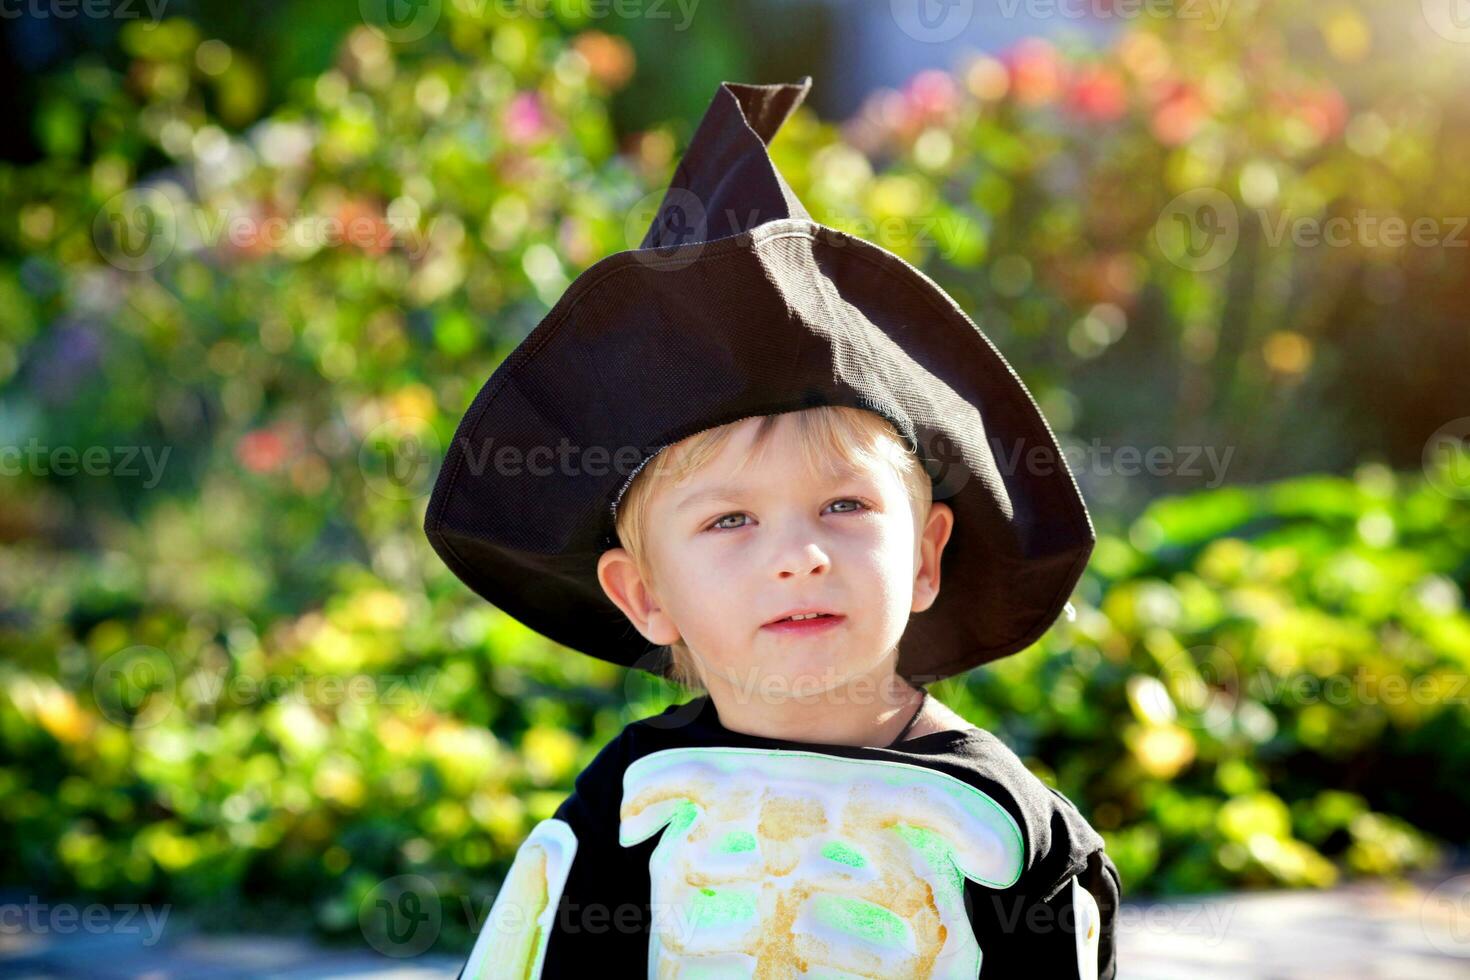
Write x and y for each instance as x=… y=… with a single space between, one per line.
x=1418 y=930
x=1412 y=931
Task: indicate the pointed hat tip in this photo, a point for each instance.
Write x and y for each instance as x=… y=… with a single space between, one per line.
x=726 y=170
x=766 y=107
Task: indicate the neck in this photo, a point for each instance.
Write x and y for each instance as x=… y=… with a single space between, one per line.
x=864 y=711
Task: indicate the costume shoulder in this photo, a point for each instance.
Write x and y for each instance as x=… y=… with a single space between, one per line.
x=1058 y=839
x=596 y=789
x=573 y=898
x=1061 y=910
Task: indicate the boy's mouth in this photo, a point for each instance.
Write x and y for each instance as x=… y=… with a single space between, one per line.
x=803 y=621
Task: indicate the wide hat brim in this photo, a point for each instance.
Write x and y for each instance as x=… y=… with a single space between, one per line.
x=706 y=325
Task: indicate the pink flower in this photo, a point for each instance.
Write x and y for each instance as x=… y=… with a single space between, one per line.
x=525 y=120
x=931 y=94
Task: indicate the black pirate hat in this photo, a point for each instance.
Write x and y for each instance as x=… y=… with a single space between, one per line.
x=738 y=304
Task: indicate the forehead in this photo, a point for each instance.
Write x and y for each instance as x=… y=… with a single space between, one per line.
x=764 y=455
x=765 y=475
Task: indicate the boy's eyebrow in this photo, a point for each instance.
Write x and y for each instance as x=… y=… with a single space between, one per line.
x=736 y=490
x=713 y=493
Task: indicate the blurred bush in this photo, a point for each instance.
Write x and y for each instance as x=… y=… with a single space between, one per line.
x=234 y=339
x=1263 y=686
x=1267 y=685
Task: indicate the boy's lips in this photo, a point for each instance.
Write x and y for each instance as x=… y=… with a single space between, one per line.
x=817 y=624
x=803 y=611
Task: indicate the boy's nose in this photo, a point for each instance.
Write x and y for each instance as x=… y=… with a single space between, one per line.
x=802 y=559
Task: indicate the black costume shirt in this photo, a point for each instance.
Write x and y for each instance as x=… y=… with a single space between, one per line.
x=689 y=850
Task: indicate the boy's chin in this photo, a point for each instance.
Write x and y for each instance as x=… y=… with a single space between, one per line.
x=803 y=676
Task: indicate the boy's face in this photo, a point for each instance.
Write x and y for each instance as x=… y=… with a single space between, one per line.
x=731 y=550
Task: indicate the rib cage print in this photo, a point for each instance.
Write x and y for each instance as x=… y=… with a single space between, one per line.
x=782 y=863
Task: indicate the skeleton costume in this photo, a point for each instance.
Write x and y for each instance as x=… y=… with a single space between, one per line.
x=690 y=850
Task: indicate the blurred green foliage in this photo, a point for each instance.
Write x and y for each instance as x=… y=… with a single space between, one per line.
x=235 y=676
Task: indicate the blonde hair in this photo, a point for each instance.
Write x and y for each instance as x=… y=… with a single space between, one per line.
x=831 y=437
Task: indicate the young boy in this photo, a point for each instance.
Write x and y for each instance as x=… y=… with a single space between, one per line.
x=802 y=401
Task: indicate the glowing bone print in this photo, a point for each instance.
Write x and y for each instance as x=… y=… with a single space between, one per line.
x=776 y=862
x=512 y=942
x=1088 y=927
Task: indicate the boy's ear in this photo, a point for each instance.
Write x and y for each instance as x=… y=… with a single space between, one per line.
x=932 y=539
x=625 y=586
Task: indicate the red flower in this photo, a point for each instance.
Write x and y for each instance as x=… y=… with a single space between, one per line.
x=1098 y=93
x=261 y=451
x=361 y=225
x=1036 y=70
x=1179 y=115
x=609 y=57
x=1324 y=109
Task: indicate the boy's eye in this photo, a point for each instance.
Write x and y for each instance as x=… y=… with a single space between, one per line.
x=720 y=525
